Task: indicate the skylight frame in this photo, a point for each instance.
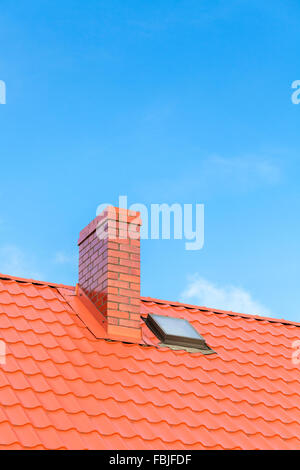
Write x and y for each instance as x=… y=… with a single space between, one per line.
x=175 y=340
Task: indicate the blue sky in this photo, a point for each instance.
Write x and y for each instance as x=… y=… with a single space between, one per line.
x=163 y=101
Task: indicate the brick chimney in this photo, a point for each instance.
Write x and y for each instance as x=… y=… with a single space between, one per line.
x=109 y=269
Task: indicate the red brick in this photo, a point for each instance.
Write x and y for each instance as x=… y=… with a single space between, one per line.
x=118 y=283
x=130 y=308
x=112 y=320
x=130 y=323
x=112 y=305
x=112 y=290
x=119 y=314
x=135 y=272
x=118 y=254
x=130 y=278
x=119 y=299
x=112 y=275
x=135 y=316
x=134 y=286
x=135 y=242
x=113 y=260
x=130 y=264
x=112 y=245
x=135 y=256
x=129 y=292
x=118 y=268
x=128 y=248
x=124 y=242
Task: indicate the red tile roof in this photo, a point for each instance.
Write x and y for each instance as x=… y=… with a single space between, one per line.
x=65 y=385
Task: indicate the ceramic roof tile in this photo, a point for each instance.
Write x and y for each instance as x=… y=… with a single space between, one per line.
x=61 y=388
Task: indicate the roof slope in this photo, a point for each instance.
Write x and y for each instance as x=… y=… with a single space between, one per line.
x=62 y=388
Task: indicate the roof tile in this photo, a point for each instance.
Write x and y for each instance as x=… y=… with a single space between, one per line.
x=61 y=388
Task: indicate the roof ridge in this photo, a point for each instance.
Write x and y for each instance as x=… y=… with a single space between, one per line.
x=7 y=277
x=218 y=311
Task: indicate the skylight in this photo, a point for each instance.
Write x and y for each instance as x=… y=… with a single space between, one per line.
x=175 y=331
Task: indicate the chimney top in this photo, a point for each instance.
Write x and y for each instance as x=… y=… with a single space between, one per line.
x=109 y=269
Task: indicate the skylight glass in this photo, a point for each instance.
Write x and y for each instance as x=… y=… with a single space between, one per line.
x=176 y=327
x=176 y=332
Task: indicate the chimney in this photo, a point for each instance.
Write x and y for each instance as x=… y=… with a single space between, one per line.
x=109 y=270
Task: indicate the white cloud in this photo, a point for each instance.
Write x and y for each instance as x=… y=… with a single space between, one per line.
x=199 y=291
x=14 y=262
